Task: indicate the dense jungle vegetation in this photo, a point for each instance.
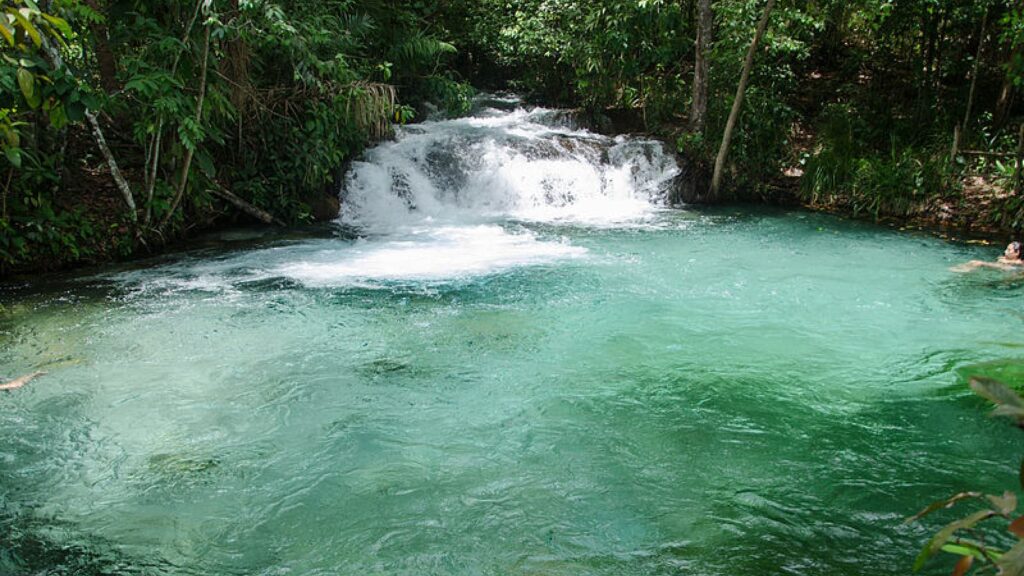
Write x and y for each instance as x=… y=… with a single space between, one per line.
x=127 y=124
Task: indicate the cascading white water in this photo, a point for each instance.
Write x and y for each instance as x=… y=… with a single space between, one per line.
x=456 y=198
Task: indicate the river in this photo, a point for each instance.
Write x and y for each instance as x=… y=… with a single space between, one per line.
x=507 y=357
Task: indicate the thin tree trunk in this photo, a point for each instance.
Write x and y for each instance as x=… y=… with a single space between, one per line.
x=261 y=215
x=723 y=150
x=152 y=169
x=7 y=189
x=190 y=154
x=937 y=69
x=974 y=80
x=122 y=184
x=956 y=144
x=699 y=108
x=152 y=173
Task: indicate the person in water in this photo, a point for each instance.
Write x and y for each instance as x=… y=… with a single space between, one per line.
x=1010 y=260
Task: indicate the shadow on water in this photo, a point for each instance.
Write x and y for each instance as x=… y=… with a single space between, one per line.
x=770 y=488
x=34 y=545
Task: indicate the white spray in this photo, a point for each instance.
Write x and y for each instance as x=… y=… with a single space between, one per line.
x=456 y=198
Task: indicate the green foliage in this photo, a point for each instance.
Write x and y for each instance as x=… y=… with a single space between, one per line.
x=964 y=537
x=268 y=99
x=39 y=98
x=846 y=169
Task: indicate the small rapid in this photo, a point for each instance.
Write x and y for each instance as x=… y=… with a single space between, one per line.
x=457 y=198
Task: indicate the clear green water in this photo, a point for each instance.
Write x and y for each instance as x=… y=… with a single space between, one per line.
x=749 y=392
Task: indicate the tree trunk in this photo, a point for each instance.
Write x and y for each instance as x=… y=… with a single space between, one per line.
x=190 y=154
x=699 y=108
x=261 y=215
x=115 y=172
x=153 y=167
x=974 y=78
x=723 y=150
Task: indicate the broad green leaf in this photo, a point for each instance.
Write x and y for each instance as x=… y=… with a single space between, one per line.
x=6 y=31
x=55 y=34
x=27 y=26
x=13 y=156
x=91 y=101
x=32 y=5
x=27 y=83
x=12 y=137
x=58 y=23
x=965 y=547
x=75 y=111
x=206 y=164
x=58 y=117
x=943 y=536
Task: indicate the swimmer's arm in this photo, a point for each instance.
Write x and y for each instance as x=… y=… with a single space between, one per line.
x=973 y=265
x=19 y=382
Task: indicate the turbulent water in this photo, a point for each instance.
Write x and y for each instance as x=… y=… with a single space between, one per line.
x=509 y=358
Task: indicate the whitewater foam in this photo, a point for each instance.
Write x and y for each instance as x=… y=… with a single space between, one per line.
x=449 y=200
x=440 y=254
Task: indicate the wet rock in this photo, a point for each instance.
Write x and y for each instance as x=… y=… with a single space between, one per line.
x=324 y=207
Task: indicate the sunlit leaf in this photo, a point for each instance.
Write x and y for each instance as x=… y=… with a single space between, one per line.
x=27 y=83
x=965 y=547
x=943 y=536
x=6 y=31
x=27 y=26
x=58 y=23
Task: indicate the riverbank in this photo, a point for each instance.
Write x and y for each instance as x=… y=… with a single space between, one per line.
x=89 y=203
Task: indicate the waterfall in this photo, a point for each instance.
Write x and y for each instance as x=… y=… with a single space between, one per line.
x=514 y=165
x=463 y=197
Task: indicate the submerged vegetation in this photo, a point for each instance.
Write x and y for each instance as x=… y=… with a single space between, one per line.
x=127 y=124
